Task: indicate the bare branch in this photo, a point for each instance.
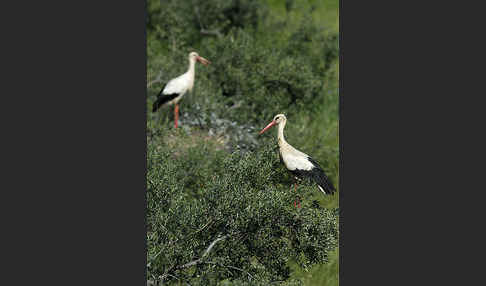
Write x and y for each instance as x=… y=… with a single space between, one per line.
x=162 y=277
x=210 y=221
x=189 y=264
x=172 y=242
x=156 y=80
x=212 y=244
x=216 y=33
x=194 y=262
x=206 y=252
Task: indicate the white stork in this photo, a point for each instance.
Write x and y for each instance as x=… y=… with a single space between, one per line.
x=173 y=91
x=298 y=163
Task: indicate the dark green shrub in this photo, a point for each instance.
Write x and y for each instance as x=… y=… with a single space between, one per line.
x=244 y=201
x=181 y=23
x=253 y=76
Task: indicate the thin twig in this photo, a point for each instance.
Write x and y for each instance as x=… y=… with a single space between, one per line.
x=162 y=277
x=194 y=262
x=216 y=33
x=212 y=244
x=174 y=241
x=156 y=80
x=206 y=252
x=210 y=221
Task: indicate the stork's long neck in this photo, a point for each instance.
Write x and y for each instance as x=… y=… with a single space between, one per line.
x=192 y=67
x=190 y=72
x=281 y=138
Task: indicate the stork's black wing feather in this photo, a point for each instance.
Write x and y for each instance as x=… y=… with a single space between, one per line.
x=280 y=157
x=163 y=98
x=318 y=175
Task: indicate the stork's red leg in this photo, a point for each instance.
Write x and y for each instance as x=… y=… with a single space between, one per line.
x=176 y=114
x=297 y=201
x=295 y=189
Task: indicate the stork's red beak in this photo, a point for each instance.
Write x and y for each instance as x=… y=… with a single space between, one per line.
x=268 y=126
x=203 y=60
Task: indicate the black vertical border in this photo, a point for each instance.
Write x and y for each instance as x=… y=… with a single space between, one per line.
x=407 y=111
x=76 y=166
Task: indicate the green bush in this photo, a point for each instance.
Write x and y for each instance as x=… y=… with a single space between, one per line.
x=181 y=23
x=241 y=198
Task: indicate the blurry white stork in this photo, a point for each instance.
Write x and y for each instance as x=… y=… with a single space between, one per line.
x=173 y=91
x=298 y=163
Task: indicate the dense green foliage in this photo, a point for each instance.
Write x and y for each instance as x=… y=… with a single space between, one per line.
x=215 y=177
x=240 y=196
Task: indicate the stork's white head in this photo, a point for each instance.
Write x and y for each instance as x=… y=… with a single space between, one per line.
x=193 y=56
x=278 y=119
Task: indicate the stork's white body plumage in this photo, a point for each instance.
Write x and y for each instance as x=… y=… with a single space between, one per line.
x=293 y=158
x=297 y=162
x=177 y=87
x=180 y=85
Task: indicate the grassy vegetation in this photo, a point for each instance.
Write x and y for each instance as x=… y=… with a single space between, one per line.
x=271 y=57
